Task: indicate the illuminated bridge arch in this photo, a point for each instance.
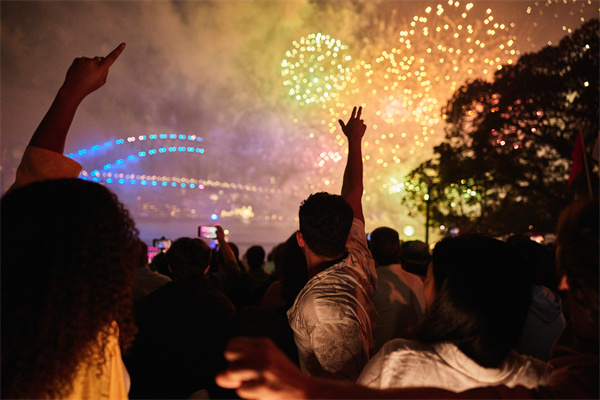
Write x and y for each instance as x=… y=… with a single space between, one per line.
x=159 y=144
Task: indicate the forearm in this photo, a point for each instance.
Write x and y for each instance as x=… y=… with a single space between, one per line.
x=227 y=252
x=352 y=186
x=51 y=134
x=353 y=174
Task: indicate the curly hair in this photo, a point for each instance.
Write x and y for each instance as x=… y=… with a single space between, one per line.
x=69 y=258
x=325 y=222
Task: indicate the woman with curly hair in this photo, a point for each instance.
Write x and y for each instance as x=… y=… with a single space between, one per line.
x=69 y=257
x=67 y=271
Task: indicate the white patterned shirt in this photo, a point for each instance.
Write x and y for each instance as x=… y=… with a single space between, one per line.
x=405 y=363
x=333 y=316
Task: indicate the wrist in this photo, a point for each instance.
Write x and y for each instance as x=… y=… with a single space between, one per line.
x=67 y=95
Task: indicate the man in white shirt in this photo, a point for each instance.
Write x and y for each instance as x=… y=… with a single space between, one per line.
x=333 y=316
x=399 y=301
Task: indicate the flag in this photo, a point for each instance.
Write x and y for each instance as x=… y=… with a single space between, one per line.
x=577 y=156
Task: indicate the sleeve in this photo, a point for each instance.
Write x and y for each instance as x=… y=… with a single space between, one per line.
x=358 y=248
x=358 y=239
x=40 y=164
x=339 y=350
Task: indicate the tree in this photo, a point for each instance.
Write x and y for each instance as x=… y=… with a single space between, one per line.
x=504 y=163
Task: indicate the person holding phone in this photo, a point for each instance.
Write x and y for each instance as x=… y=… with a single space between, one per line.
x=183 y=326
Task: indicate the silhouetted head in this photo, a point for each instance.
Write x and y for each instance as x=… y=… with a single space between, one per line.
x=415 y=257
x=385 y=246
x=70 y=252
x=325 y=222
x=159 y=261
x=188 y=257
x=538 y=260
x=255 y=256
x=477 y=298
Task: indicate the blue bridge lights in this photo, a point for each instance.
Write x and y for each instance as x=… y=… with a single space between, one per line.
x=144 y=146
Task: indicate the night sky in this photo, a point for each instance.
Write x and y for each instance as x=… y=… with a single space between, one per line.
x=229 y=109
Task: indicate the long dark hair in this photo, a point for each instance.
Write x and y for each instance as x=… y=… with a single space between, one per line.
x=482 y=298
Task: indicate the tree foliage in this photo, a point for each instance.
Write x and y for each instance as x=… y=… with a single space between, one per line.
x=504 y=164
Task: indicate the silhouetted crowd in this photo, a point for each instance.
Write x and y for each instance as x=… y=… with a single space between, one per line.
x=345 y=313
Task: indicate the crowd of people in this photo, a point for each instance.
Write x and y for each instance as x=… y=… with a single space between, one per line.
x=343 y=315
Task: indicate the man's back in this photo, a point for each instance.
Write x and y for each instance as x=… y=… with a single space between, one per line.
x=399 y=303
x=333 y=316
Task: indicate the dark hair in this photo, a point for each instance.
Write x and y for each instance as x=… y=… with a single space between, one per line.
x=538 y=260
x=69 y=258
x=385 y=246
x=159 y=261
x=325 y=222
x=415 y=257
x=188 y=257
x=255 y=256
x=577 y=243
x=482 y=298
x=294 y=273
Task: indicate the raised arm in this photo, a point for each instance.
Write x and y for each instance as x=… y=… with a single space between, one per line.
x=352 y=186
x=226 y=250
x=85 y=75
x=230 y=271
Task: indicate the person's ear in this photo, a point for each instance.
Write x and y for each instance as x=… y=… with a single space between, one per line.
x=563 y=284
x=299 y=239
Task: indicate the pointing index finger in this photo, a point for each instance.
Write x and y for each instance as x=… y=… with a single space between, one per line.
x=113 y=55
